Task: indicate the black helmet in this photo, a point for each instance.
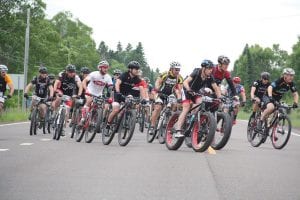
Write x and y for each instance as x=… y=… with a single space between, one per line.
x=70 y=68
x=117 y=71
x=51 y=76
x=85 y=70
x=223 y=60
x=133 y=65
x=43 y=70
x=207 y=64
x=265 y=75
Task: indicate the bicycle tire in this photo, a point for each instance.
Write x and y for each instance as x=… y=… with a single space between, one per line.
x=90 y=133
x=107 y=138
x=162 y=129
x=275 y=131
x=172 y=143
x=33 y=122
x=76 y=121
x=142 y=120
x=202 y=140
x=60 y=125
x=224 y=131
x=255 y=138
x=126 y=133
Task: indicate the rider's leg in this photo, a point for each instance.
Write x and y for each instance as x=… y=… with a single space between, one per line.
x=235 y=111
x=86 y=106
x=186 y=105
x=155 y=114
x=115 y=110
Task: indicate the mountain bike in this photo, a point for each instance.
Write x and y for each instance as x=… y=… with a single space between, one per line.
x=76 y=115
x=124 y=122
x=59 y=118
x=161 y=124
x=278 y=126
x=36 y=120
x=200 y=126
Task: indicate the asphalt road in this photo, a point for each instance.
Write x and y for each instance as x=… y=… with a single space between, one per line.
x=36 y=167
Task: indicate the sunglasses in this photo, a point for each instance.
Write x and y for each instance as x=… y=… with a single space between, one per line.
x=177 y=70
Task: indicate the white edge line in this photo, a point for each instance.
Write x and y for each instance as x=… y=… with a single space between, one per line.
x=14 y=124
x=4 y=150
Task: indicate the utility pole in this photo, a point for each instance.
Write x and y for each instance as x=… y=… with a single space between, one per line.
x=26 y=54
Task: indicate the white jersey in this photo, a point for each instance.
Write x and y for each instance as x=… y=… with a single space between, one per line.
x=98 y=82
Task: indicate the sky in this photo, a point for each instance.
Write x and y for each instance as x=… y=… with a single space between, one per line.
x=187 y=31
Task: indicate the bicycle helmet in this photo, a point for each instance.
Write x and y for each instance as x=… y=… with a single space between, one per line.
x=265 y=75
x=3 y=68
x=70 y=68
x=133 y=65
x=43 y=70
x=289 y=71
x=223 y=60
x=51 y=76
x=103 y=63
x=175 y=65
x=207 y=64
x=85 y=70
x=117 y=71
x=236 y=80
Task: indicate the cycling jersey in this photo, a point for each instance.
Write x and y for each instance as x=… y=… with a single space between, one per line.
x=169 y=82
x=280 y=87
x=129 y=85
x=219 y=75
x=4 y=81
x=238 y=89
x=68 y=85
x=41 y=86
x=261 y=88
x=98 y=82
x=197 y=82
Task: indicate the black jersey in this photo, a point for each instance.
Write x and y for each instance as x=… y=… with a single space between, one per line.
x=261 y=89
x=129 y=84
x=197 y=82
x=280 y=87
x=41 y=86
x=68 y=85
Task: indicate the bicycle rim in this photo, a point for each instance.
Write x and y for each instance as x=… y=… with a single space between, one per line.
x=281 y=132
x=127 y=127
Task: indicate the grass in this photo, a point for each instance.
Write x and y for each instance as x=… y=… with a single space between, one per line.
x=13 y=115
x=294 y=116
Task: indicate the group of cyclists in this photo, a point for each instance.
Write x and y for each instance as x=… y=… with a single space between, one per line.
x=188 y=91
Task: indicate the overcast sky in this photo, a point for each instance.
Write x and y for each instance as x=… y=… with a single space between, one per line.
x=187 y=31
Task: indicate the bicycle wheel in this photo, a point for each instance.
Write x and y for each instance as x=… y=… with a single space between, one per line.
x=151 y=137
x=281 y=132
x=47 y=122
x=77 y=117
x=108 y=134
x=142 y=119
x=33 y=123
x=99 y=122
x=127 y=126
x=223 y=131
x=254 y=137
x=54 y=127
x=91 y=131
x=162 y=129
x=203 y=132
x=172 y=143
x=60 y=125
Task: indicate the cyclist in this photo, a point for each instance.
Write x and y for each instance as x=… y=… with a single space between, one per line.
x=116 y=74
x=124 y=86
x=42 y=86
x=258 y=90
x=66 y=85
x=220 y=72
x=84 y=72
x=200 y=78
x=5 y=80
x=240 y=90
x=166 y=84
x=98 y=80
x=276 y=91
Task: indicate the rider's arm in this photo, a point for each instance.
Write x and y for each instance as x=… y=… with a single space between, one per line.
x=117 y=85
x=57 y=84
x=79 y=85
x=10 y=85
x=28 y=87
x=232 y=88
x=243 y=93
x=296 y=97
x=253 y=89
x=270 y=90
x=178 y=91
x=158 y=83
x=186 y=83
x=51 y=90
x=216 y=89
x=84 y=82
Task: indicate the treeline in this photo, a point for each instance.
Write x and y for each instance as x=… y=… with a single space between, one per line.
x=56 y=42
x=256 y=59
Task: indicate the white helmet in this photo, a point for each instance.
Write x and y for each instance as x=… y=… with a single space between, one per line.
x=289 y=71
x=3 y=68
x=175 y=64
x=103 y=63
